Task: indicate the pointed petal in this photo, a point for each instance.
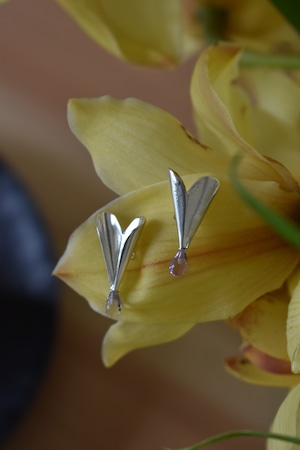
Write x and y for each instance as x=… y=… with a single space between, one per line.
x=293 y=330
x=286 y=421
x=147 y=32
x=216 y=66
x=274 y=119
x=263 y=324
x=123 y=337
x=221 y=112
x=119 y=135
x=234 y=257
x=243 y=369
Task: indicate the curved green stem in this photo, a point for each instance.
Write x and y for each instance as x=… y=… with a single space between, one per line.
x=242 y=433
x=287 y=229
x=281 y=61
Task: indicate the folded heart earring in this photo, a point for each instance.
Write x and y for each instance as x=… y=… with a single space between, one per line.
x=190 y=207
x=117 y=247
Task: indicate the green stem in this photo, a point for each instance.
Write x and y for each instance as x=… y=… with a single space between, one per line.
x=242 y=433
x=287 y=229
x=280 y=61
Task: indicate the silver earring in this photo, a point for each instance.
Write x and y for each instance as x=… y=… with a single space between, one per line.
x=117 y=247
x=190 y=207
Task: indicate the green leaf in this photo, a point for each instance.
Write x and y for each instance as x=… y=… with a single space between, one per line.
x=242 y=433
x=289 y=9
x=287 y=229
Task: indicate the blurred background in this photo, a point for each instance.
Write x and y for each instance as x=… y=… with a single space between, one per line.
x=168 y=396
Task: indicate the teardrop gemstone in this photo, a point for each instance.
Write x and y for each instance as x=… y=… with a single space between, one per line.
x=113 y=305
x=179 y=264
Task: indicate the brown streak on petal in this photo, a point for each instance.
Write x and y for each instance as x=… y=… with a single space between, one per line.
x=248 y=249
x=193 y=138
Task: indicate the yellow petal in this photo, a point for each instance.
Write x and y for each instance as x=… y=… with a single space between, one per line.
x=287 y=421
x=274 y=119
x=293 y=280
x=133 y=143
x=258 y=24
x=123 y=337
x=147 y=32
x=242 y=368
x=263 y=324
x=216 y=67
x=221 y=112
x=293 y=330
x=234 y=257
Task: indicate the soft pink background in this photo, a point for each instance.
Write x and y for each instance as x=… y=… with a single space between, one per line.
x=171 y=395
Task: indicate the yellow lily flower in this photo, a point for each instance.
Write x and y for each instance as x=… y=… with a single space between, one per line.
x=264 y=356
x=270 y=353
x=163 y=33
x=235 y=257
x=270 y=330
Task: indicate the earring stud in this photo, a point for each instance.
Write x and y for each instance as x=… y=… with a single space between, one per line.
x=190 y=207
x=117 y=247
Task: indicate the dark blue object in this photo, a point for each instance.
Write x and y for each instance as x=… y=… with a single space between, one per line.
x=28 y=301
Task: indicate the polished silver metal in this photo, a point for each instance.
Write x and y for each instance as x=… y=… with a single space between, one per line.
x=117 y=247
x=190 y=206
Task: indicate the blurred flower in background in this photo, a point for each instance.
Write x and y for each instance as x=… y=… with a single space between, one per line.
x=28 y=300
x=164 y=33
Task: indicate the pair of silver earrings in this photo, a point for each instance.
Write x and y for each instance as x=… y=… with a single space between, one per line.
x=117 y=246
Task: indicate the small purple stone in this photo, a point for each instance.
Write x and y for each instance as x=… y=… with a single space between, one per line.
x=113 y=305
x=179 y=264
